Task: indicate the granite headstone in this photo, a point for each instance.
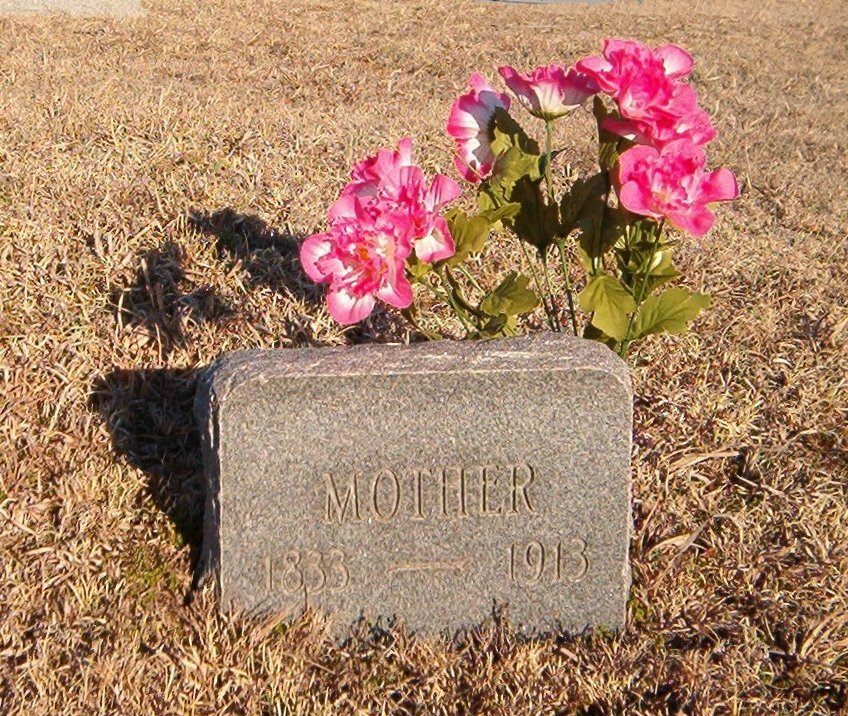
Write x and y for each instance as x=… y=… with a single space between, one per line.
x=431 y=483
x=113 y=8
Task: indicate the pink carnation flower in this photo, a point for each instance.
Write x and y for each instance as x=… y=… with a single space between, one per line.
x=695 y=126
x=655 y=106
x=672 y=183
x=549 y=92
x=624 y=60
x=402 y=190
x=362 y=257
x=381 y=171
x=385 y=213
x=470 y=124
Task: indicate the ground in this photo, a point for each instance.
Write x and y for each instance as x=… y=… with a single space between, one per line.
x=156 y=176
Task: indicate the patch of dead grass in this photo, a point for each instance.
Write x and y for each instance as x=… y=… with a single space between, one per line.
x=156 y=175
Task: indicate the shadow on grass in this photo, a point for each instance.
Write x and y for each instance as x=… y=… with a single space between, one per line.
x=270 y=257
x=161 y=300
x=149 y=414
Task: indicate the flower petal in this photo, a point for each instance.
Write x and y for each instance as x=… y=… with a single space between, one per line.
x=438 y=244
x=311 y=250
x=676 y=61
x=627 y=128
x=443 y=190
x=346 y=308
x=404 y=152
x=628 y=161
x=345 y=207
x=698 y=220
x=635 y=198
x=719 y=185
x=397 y=294
x=465 y=171
x=469 y=124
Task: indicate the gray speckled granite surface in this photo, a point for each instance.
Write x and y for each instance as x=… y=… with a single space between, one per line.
x=430 y=483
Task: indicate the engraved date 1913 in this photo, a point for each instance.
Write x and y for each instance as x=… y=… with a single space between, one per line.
x=307 y=572
x=535 y=562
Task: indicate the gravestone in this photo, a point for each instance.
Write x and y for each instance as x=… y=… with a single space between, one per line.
x=552 y=2
x=115 y=8
x=431 y=483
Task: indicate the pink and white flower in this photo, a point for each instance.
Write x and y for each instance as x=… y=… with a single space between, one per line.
x=671 y=183
x=622 y=59
x=380 y=172
x=470 y=123
x=421 y=205
x=401 y=188
x=695 y=126
x=386 y=213
x=549 y=92
x=362 y=257
x=655 y=106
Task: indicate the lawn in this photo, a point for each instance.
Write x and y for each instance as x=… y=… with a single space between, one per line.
x=156 y=177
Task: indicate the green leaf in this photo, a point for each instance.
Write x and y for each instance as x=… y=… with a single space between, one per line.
x=597 y=238
x=497 y=191
x=517 y=157
x=514 y=164
x=607 y=141
x=490 y=198
x=670 y=312
x=507 y=133
x=633 y=250
x=416 y=268
x=662 y=271
x=586 y=197
x=498 y=326
x=510 y=298
x=507 y=211
x=469 y=234
x=609 y=302
x=586 y=208
x=594 y=333
x=536 y=222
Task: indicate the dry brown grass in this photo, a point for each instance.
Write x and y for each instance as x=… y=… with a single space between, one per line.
x=120 y=144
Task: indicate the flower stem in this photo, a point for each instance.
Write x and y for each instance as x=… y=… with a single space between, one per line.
x=560 y=242
x=640 y=297
x=463 y=302
x=449 y=293
x=539 y=287
x=465 y=272
x=410 y=318
x=547 y=275
x=549 y=144
x=561 y=246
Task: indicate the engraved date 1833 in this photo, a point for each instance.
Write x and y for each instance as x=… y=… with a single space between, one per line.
x=307 y=572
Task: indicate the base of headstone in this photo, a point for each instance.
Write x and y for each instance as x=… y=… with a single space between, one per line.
x=430 y=484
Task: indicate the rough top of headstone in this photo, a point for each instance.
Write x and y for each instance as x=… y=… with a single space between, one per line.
x=535 y=352
x=431 y=483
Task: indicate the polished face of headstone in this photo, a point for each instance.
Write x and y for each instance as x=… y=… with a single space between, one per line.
x=431 y=483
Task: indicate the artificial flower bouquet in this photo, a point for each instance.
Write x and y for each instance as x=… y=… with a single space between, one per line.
x=605 y=240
